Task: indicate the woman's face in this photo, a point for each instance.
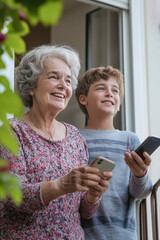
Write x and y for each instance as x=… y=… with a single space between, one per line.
x=54 y=88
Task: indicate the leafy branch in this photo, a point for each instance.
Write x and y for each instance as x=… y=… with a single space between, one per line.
x=16 y=15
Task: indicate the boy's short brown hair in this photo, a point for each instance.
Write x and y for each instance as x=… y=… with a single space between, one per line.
x=94 y=75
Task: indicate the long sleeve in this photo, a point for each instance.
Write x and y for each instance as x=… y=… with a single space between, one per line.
x=140 y=187
x=31 y=191
x=87 y=210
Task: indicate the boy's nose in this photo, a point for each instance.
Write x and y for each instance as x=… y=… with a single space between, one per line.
x=109 y=93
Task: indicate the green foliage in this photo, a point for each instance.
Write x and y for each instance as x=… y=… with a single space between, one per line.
x=9 y=186
x=10 y=103
x=16 y=15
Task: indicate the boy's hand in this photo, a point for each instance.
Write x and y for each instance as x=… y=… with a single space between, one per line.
x=136 y=164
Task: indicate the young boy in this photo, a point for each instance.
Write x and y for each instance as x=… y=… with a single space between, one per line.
x=99 y=93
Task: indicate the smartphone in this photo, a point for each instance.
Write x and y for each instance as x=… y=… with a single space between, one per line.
x=103 y=164
x=149 y=145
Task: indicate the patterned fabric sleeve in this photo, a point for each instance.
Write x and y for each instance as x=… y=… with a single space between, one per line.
x=31 y=192
x=87 y=210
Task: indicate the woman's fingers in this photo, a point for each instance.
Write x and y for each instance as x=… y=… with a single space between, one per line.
x=81 y=179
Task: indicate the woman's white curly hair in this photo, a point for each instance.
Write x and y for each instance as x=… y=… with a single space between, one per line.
x=32 y=64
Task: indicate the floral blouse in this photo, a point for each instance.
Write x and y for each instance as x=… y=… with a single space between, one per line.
x=41 y=160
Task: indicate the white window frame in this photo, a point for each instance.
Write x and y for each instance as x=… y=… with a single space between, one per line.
x=139 y=71
x=114 y=3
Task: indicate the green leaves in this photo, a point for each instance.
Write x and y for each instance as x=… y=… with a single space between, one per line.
x=49 y=12
x=2 y=64
x=15 y=42
x=15 y=16
x=9 y=185
x=8 y=140
x=17 y=29
x=10 y=103
x=45 y=11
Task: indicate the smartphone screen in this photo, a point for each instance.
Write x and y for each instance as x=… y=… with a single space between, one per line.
x=149 y=145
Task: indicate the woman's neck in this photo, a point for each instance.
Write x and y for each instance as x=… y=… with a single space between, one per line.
x=45 y=125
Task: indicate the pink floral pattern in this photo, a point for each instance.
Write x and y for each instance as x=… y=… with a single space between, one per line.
x=40 y=160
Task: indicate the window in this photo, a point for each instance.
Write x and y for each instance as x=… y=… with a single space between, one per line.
x=103 y=44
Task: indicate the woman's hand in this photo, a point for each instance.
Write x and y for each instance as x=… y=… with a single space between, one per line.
x=79 y=179
x=76 y=180
x=98 y=187
x=86 y=179
x=138 y=166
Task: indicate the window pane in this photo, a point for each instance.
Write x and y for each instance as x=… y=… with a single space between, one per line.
x=103 y=43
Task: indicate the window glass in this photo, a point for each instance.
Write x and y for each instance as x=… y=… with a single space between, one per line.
x=103 y=43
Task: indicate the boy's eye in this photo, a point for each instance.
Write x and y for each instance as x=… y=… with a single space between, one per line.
x=115 y=90
x=100 y=88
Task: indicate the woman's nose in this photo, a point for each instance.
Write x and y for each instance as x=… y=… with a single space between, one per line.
x=62 y=83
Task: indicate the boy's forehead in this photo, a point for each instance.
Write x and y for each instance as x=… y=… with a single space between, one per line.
x=110 y=80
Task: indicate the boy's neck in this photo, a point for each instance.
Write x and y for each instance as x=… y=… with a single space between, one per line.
x=100 y=125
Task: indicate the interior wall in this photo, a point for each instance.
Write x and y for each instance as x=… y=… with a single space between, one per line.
x=153 y=65
x=71 y=30
x=38 y=35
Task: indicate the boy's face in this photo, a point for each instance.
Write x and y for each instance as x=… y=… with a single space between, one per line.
x=103 y=98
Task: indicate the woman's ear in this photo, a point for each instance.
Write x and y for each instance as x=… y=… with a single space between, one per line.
x=31 y=93
x=82 y=99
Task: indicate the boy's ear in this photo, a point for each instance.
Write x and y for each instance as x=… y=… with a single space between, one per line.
x=82 y=99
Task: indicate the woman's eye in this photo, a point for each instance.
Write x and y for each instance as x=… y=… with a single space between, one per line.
x=68 y=81
x=53 y=77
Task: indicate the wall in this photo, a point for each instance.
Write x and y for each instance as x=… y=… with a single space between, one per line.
x=153 y=68
x=152 y=18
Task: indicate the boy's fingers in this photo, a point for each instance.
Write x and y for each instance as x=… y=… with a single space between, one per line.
x=147 y=160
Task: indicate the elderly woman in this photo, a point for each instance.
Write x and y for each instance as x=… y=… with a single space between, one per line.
x=57 y=184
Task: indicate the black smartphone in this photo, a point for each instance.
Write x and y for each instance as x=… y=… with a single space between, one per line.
x=149 y=145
